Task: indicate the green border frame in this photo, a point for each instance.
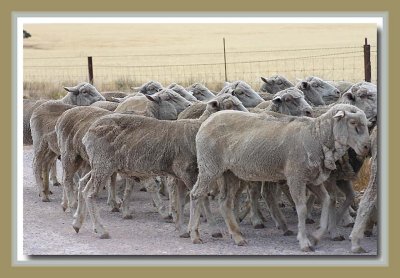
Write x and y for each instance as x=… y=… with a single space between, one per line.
x=210 y=6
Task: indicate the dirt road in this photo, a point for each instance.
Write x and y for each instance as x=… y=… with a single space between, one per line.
x=48 y=230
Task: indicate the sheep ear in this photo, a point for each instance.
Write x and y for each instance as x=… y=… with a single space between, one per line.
x=214 y=103
x=73 y=90
x=153 y=98
x=226 y=84
x=263 y=79
x=277 y=100
x=136 y=89
x=305 y=85
x=340 y=114
x=349 y=95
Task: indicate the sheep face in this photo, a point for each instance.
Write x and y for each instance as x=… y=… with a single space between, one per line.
x=182 y=91
x=170 y=96
x=364 y=96
x=225 y=102
x=149 y=88
x=275 y=84
x=83 y=94
x=200 y=92
x=351 y=128
x=317 y=91
x=243 y=92
x=291 y=102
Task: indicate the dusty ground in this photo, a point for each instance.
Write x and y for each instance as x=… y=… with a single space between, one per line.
x=48 y=231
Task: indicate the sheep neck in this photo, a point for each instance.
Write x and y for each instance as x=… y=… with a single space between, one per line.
x=331 y=148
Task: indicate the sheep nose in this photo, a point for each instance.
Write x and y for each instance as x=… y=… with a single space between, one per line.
x=337 y=92
x=308 y=112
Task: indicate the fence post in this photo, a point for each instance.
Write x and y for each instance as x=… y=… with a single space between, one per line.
x=90 y=69
x=226 y=76
x=367 y=61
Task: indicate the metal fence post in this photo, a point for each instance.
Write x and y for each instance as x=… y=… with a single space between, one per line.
x=226 y=76
x=90 y=69
x=367 y=61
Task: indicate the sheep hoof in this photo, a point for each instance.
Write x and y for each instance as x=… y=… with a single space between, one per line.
x=76 y=229
x=197 y=241
x=45 y=199
x=338 y=238
x=168 y=218
x=288 y=233
x=64 y=209
x=350 y=225
x=353 y=214
x=115 y=210
x=259 y=226
x=50 y=192
x=310 y=221
x=105 y=236
x=242 y=243
x=128 y=216
x=282 y=205
x=358 y=250
x=57 y=184
x=184 y=235
x=216 y=235
x=368 y=233
x=143 y=189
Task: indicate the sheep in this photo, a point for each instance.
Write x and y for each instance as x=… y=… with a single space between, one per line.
x=243 y=92
x=29 y=106
x=141 y=147
x=342 y=86
x=73 y=124
x=364 y=96
x=368 y=205
x=183 y=92
x=273 y=85
x=200 y=92
x=318 y=91
x=43 y=121
x=301 y=150
x=148 y=88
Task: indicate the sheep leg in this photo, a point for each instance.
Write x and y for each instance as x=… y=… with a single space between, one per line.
x=197 y=196
x=156 y=197
x=53 y=174
x=310 y=205
x=232 y=185
x=112 y=194
x=215 y=232
x=285 y=189
x=255 y=214
x=70 y=166
x=41 y=177
x=126 y=199
x=330 y=186
x=179 y=196
x=347 y=188
x=327 y=207
x=365 y=210
x=80 y=214
x=269 y=196
x=298 y=191
x=90 y=192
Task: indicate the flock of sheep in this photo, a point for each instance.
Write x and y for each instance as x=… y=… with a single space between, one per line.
x=307 y=141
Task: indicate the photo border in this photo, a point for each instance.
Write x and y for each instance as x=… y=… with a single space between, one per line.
x=205 y=6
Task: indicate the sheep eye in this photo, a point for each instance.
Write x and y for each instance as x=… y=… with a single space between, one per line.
x=279 y=82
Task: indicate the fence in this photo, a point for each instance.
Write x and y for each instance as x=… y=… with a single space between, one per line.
x=350 y=63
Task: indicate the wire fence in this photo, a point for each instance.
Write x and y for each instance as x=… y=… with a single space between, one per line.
x=118 y=72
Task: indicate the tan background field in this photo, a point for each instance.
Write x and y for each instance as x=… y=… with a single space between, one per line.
x=125 y=55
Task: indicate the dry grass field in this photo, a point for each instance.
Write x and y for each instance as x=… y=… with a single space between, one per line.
x=130 y=54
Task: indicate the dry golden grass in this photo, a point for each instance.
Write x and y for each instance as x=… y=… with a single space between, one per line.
x=56 y=54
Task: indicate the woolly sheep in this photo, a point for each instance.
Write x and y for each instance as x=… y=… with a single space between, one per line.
x=141 y=147
x=42 y=123
x=301 y=150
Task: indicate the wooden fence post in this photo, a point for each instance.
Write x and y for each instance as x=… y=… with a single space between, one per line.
x=226 y=76
x=367 y=61
x=90 y=69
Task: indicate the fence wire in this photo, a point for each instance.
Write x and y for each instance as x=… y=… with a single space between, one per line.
x=122 y=71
